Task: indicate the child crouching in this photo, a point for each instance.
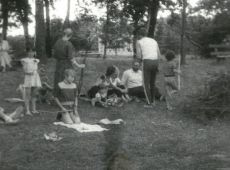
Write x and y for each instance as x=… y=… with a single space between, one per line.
x=66 y=99
x=100 y=98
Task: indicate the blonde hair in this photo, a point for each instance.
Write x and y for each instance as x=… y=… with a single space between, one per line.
x=69 y=72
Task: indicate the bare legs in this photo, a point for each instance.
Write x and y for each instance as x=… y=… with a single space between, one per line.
x=30 y=96
x=12 y=117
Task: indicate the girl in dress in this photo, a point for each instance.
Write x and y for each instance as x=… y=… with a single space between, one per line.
x=32 y=81
x=5 y=59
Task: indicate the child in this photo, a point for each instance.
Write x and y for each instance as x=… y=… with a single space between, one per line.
x=10 y=118
x=31 y=82
x=45 y=92
x=118 y=89
x=66 y=99
x=100 y=98
x=170 y=70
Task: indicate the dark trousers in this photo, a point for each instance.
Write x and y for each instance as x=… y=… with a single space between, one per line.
x=150 y=69
x=140 y=93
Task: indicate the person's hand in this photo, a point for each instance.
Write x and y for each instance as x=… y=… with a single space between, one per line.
x=124 y=91
x=81 y=65
x=64 y=109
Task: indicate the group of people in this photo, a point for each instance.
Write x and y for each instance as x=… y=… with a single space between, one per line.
x=135 y=84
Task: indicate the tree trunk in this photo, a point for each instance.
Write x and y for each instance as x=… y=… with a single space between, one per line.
x=40 y=30
x=135 y=37
x=67 y=23
x=152 y=17
x=183 y=27
x=48 y=39
x=26 y=35
x=5 y=14
x=106 y=31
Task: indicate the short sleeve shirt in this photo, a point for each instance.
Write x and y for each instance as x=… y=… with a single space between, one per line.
x=66 y=92
x=63 y=50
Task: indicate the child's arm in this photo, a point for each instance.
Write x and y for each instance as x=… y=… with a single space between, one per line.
x=75 y=63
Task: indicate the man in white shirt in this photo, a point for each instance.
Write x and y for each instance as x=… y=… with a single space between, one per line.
x=148 y=51
x=133 y=81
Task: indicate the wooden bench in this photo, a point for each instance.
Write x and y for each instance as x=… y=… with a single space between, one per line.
x=221 y=51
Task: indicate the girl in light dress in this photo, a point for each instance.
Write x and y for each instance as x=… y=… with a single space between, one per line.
x=5 y=59
x=32 y=81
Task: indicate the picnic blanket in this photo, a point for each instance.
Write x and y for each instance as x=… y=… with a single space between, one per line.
x=82 y=127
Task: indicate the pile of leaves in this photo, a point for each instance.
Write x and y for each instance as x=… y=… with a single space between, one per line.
x=212 y=101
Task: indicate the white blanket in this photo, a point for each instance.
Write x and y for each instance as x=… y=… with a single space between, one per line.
x=82 y=127
x=111 y=122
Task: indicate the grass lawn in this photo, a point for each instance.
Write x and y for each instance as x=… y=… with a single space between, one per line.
x=150 y=139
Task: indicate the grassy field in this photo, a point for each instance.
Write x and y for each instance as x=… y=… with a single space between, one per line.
x=150 y=139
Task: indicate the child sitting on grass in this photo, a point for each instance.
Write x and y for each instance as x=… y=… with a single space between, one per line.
x=100 y=98
x=12 y=117
x=66 y=99
x=170 y=70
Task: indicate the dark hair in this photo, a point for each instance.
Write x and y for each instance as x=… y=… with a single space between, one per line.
x=102 y=77
x=110 y=70
x=142 y=32
x=170 y=55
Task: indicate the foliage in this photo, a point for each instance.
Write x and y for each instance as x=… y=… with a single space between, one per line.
x=17 y=44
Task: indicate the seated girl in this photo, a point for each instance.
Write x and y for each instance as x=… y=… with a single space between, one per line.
x=117 y=87
x=66 y=99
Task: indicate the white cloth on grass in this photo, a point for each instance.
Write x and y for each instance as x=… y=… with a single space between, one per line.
x=111 y=122
x=82 y=127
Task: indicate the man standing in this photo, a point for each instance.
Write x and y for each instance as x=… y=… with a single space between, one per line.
x=148 y=51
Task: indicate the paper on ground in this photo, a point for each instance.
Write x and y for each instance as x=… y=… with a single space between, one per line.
x=82 y=127
x=113 y=122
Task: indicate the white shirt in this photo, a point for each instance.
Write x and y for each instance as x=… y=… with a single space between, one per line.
x=30 y=65
x=115 y=82
x=147 y=48
x=131 y=79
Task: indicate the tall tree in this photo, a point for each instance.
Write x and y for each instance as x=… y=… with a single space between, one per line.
x=135 y=9
x=183 y=28
x=23 y=10
x=7 y=7
x=40 y=30
x=67 y=22
x=111 y=13
x=48 y=3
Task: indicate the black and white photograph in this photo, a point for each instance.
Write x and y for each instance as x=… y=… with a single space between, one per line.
x=114 y=84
